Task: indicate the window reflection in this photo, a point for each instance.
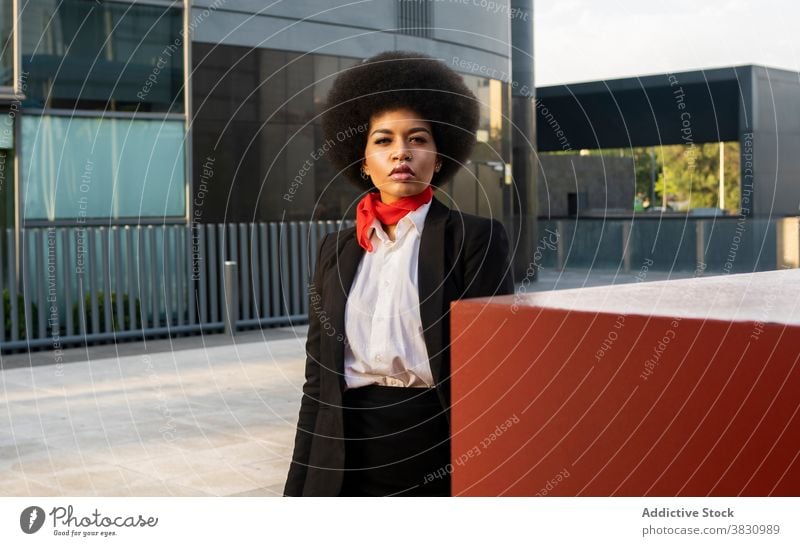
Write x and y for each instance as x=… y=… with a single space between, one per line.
x=256 y=113
x=86 y=168
x=89 y=55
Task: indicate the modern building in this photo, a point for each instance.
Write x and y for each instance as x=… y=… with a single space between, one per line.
x=757 y=107
x=140 y=140
x=259 y=81
x=154 y=111
x=588 y=198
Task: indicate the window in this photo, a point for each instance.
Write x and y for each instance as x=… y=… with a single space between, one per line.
x=76 y=167
x=83 y=54
x=6 y=191
x=256 y=121
x=6 y=44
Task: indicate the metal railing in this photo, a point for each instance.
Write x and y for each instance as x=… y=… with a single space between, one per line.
x=78 y=285
x=719 y=245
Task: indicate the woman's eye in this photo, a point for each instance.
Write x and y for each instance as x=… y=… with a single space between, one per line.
x=420 y=140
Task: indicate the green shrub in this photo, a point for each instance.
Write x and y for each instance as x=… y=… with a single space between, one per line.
x=21 y=311
x=87 y=305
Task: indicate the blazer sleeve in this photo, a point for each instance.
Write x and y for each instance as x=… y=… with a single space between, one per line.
x=309 y=404
x=487 y=269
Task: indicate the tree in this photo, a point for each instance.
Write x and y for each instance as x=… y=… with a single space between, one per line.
x=688 y=173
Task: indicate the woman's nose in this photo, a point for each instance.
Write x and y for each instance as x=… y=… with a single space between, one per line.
x=401 y=152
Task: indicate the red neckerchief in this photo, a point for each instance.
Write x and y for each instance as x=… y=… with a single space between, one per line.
x=371 y=207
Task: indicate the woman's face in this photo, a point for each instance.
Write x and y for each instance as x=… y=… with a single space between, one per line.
x=400 y=156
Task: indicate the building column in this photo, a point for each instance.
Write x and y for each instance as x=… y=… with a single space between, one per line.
x=523 y=139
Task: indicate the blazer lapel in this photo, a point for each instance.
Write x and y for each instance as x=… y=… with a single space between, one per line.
x=430 y=283
x=338 y=283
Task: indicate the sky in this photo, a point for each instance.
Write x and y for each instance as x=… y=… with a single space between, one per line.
x=583 y=40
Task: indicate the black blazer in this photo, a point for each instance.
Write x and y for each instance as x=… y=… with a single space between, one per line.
x=460 y=256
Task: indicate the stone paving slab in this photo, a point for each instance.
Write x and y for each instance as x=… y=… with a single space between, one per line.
x=195 y=416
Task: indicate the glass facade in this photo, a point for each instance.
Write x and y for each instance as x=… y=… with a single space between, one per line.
x=77 y=169
x=256 y=121
x=7 y=120
x=89 y=57
x=6 y=190
x=494 y=121
x=6 y=44
x=480 y=188
x=83 y=54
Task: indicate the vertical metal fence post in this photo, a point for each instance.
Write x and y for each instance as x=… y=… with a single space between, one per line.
x=626 y=245
x=561 y=259
x=700 y=245
x=231 y=299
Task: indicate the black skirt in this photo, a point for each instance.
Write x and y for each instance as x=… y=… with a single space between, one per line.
x=397 y=442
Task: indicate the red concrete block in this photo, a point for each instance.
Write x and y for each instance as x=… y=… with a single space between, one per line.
x=687 y=387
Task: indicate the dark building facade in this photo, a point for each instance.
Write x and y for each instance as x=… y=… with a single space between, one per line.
x=259 y=82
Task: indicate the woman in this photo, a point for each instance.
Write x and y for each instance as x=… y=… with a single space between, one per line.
x=374 y=416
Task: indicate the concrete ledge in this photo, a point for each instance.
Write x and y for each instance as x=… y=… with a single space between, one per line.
x=688 y=387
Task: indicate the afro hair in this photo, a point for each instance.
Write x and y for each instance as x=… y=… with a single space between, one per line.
x=400 y=79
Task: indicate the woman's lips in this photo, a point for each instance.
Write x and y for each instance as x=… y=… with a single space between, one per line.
x=402 y=173
x=401 y=176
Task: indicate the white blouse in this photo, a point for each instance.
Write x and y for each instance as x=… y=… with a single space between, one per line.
x=384 y=341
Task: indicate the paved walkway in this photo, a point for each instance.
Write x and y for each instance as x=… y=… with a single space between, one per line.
x=189 y=417
x=193 y=416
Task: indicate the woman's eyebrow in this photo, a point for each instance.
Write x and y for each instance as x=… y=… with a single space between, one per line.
x=389 y=131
